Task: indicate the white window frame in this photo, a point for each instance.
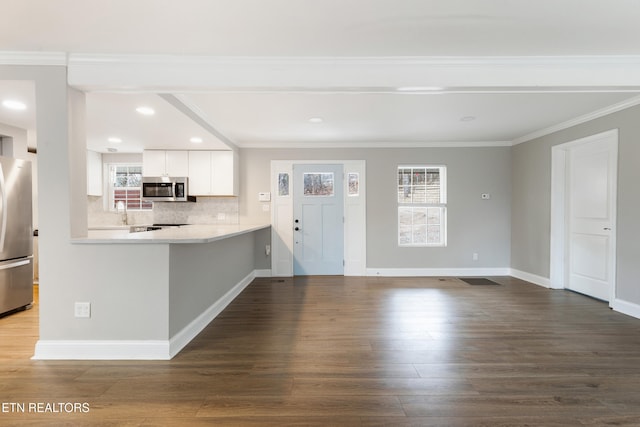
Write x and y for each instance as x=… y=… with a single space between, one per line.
x=412 y=206
x=111 y=189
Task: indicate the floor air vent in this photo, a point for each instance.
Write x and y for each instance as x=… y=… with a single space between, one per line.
x=478 y=281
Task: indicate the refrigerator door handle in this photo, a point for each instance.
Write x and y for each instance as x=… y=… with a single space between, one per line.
x=3 y=225
x=15 y=264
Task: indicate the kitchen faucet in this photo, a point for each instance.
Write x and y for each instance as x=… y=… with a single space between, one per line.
x=122 y=209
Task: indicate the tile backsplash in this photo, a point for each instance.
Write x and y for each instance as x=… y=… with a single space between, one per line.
x=207 y=210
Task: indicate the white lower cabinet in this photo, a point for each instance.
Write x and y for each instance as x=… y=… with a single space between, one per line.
x=213 y=173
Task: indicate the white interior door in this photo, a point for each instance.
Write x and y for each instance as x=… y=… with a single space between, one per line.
x=318 y=215
x=591 y=212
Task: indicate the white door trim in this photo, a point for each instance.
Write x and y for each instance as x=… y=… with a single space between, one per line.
x=355 y=242
x=559 y=219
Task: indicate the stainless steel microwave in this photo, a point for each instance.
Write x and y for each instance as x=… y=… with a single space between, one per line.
x=166 y=189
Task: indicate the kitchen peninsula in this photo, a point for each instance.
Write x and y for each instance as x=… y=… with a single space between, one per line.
x=182 y=234
x=150 y=293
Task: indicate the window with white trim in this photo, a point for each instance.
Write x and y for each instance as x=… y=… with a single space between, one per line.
x=125 y=188
x=422 y=205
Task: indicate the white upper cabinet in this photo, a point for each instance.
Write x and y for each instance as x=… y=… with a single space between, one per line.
x=199 y=172
x=94 y=173
x=177 y=163
x=165 y=163
x=213 y=173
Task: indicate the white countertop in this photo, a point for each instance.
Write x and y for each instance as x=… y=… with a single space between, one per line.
x=182 y=234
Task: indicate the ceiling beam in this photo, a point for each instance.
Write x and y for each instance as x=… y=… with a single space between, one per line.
x=198 y=116
x=170 y=73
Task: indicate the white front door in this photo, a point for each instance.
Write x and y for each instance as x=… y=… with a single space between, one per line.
x=318 y=212
x=591 y=206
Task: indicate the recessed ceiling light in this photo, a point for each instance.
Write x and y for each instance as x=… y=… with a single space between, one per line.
x=467 y=118
x=196 y=140
x=14 y=105
x=146 y=111
x=315 y=120
x=114 y=139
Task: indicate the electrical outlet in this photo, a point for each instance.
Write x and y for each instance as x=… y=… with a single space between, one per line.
x=82 y=309
x=267 y=250
x=265 y=207
x=221 y=216
x=475 y=256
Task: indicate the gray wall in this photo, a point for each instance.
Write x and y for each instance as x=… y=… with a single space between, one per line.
x=474 y=225
x=56 y=191
x=201 y=274
x=531 y=163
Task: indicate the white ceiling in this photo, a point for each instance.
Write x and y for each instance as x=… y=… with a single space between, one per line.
x=327 y=28
x=324 y=27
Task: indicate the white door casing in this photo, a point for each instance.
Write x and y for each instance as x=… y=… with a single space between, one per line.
x=584 y=215
x=282 y=233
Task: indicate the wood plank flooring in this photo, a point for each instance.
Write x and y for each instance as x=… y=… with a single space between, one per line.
x=334 y=351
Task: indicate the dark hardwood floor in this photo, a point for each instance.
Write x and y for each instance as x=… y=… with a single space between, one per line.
x=334 y=351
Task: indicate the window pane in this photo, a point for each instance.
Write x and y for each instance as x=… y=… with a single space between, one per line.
x=404 y=235
x=433 y=186
x=420 y=235
x=283 y=184
x=419 y=194
x=318 y=184
x=434 y=235
x=419 y=216
x=404 y=176
x=434 y=215
x=354 y=184
x=404 y=185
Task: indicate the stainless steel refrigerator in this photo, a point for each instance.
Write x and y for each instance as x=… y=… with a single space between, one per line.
x=16 y=235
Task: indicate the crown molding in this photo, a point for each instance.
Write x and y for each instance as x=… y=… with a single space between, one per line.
x=582 y=60
x=33 y=58
x=65 y=58
x=380 y=144
x=631 y=102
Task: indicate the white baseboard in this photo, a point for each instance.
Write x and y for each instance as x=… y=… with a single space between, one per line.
x=137 y=349
x=101 y=350
x=437 y=272
x=189 y=332
x=625 y=307
x=263 y=273
x=529 y=277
